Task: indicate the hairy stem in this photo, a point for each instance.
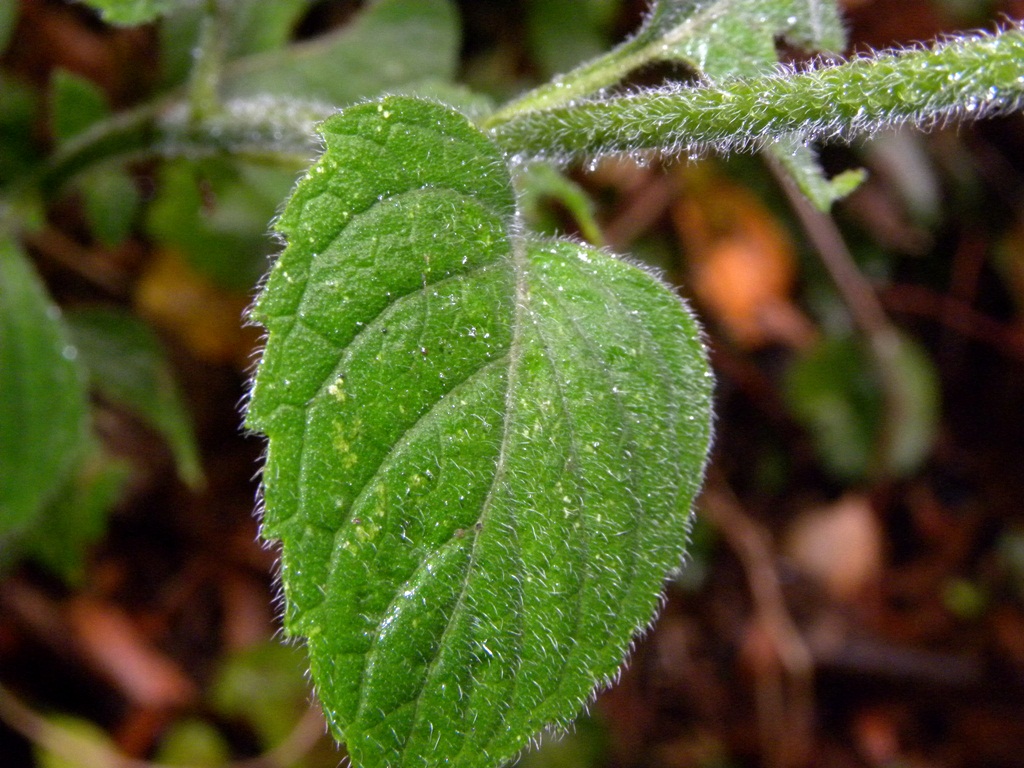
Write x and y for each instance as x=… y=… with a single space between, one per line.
x=276 y=129
x=964 y=78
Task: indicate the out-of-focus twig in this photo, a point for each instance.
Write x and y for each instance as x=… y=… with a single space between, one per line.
x=861 y=300
x=785 y=701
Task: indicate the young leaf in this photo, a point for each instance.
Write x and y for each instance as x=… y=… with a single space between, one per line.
x=483 y=445
x=43 y=414
x=736 y=37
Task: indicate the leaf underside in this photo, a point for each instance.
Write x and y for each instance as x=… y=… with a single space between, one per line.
x=483 y=446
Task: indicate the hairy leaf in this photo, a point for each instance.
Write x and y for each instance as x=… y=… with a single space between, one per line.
x=737 y=37
x=43 y=414
x=483 y=445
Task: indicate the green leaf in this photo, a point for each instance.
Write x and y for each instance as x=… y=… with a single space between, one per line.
x=216 y=212
x=75 y=104
x=737 y=37
x=539 y=184
x=839 y=394
x=110 y=196
x=483 y=445
x=264 y=685
x=193 y=743
x=562 y=33
x=393 y=44
x=18 y=150
x=801 y=163
x=250 y=27
x=77 y=518
x=131 y=12
x=8 y=20
x=43 y=413
x=90 y=744
x=127 y=365
x=112 y=202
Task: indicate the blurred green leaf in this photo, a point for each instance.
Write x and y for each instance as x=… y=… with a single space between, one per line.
x=585 y=746
x=965 y=599
x=194 y=743
x=43 y=410
x=391 y=45
x=77 y=518
x=913 y=413
x=250 y=27
x=131 y=12
x=110 y=196
x=562 y=33
x=801 y=163
x=75 y=104
x=265 y=685
x=833 y=393
x=8 y=20
x=540 y=184
x=18 y=150
x=112 y=203
x=216 y=212
x=93 y=745
x=837 y=392
x=127 y=365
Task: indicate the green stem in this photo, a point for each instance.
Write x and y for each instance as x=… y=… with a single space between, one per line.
x=264 y=127
x=964 y=78
x=654 y=42
x=204 y=81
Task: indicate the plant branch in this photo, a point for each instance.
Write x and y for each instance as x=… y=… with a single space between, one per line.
x=966 y=77
x=785 y=704
x=267 y=127
x=863 y=304
x=204 y=81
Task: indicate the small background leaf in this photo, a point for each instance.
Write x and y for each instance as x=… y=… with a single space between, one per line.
x=215 y=212
x=18 y=151
x=131 y=12
x=78 y=517
x=127 y=365
x=43 y=413
x=420 y=38
x=193 y=743
x=249 y=27
x=8 y=20
x=835 y=391
x=265 y=686
x=75 y=104
x=546 y=25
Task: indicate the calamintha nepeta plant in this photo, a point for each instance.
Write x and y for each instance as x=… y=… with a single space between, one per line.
x=483 y=443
